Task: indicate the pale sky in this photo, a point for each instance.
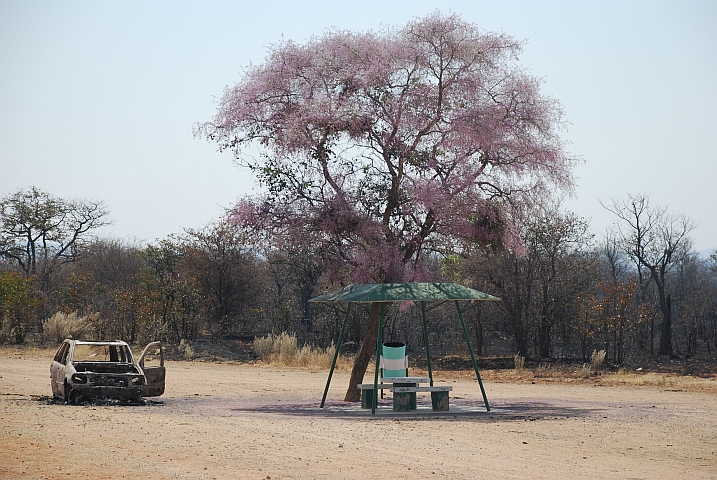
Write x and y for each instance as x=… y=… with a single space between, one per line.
x=98 y=99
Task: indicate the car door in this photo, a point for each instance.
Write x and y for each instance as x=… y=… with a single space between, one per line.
x=152 y=364
x=57 y=370
x=53 y=370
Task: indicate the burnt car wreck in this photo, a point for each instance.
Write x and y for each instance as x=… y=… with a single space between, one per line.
x=89 y=370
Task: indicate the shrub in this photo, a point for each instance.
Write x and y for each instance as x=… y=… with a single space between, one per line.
x=264 y=347
x=61 y=326
x=286 y=346
x=597 y=359
x=18 y=303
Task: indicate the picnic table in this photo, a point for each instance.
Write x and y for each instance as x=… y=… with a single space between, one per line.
x=404 y=393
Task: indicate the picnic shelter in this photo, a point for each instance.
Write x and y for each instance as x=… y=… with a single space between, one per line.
x=386 y=294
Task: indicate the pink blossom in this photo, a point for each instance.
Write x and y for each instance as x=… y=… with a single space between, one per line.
x=384 y=147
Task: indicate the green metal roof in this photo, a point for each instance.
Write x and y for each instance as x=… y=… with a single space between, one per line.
x=396 y=292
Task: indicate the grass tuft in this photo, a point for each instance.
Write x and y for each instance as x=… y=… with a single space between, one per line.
x=283 y=349
x=519 y=362
x=597 y=359
x=185 y=350
x=61 y=326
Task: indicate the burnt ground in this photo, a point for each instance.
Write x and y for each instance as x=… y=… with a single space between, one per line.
x=229 y=419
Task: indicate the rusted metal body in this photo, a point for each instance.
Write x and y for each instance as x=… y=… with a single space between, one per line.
x=86 y=370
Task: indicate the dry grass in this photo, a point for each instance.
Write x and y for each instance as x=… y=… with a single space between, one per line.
x=283 y=349
x=27 y=351
x=597 y=359
x=623 y=377
x=544 y=370
x=519 y=362
x=545 y=374
x=61 y=326
x=185 y=350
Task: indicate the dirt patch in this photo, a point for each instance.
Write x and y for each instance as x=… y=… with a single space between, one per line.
x=231 y=420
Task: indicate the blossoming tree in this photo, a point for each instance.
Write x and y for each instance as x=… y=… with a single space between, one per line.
x=386 y=146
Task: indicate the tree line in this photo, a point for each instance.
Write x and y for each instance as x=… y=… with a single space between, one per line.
x=636 y=291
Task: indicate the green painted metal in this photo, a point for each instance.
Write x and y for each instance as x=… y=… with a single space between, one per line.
x=396 y=292
x=366 y=397
x=379 y=341
x=425 y=341
x=336 y=354
x=385 y=294
x=473 y=357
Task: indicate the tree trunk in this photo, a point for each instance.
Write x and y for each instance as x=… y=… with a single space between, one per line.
x=478 y=330
x=368 y=346
x=652 y=334
x=666 y=329
x=544 y=337
x=521 y=338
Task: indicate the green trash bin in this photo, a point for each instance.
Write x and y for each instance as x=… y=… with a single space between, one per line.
x=394 y=365
x=394 y=360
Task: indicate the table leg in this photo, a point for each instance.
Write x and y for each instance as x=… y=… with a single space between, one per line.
x=366 y=397
x=404 y=401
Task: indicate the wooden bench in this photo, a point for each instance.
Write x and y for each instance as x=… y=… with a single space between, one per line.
x=404 y=396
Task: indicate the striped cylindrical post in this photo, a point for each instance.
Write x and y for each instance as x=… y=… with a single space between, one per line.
x=394 y=360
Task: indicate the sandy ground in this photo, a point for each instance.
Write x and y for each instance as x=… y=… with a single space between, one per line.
x=242 y=421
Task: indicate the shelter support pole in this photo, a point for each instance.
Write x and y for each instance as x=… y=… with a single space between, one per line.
x=379 y=342
x=473 y=357
x=336 y=355
x=425 y=341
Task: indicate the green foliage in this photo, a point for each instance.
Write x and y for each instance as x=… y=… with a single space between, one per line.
x=161 y=303
x=76 y=293
x=18 y=305
x=451 y=267
x=40 y=232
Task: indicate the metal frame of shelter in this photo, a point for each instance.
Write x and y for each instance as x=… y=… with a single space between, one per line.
x=386 y=294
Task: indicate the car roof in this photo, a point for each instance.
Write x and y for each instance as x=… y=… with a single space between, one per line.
x=96 y=342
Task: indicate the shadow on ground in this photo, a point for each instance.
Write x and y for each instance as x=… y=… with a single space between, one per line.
x=97 y=402
x=459 y=410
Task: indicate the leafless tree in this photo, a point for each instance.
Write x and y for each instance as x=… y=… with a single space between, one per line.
x=539 y=288
x=230 y=277
x=654 y=239
x=40 y=232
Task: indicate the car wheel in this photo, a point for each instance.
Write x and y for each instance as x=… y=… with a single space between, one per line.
x=69 y=394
